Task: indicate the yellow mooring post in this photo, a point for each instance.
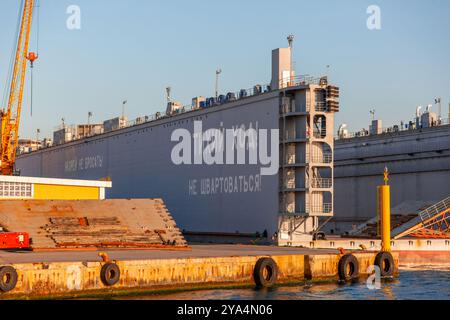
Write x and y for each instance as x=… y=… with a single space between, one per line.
x=384 y=207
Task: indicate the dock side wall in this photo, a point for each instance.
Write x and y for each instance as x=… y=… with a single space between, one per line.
x=419 y=165
x=83 y=278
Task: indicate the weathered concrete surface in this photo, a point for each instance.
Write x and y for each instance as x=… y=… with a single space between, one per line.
x=196 y=251
x=323 y=267
x=45 y=275
x=417 y=259
x=412 y=252
x=400 y=245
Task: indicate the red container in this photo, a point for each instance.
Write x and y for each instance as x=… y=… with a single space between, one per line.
x=14 y=240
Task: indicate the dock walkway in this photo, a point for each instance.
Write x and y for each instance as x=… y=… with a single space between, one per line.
x=78 y=273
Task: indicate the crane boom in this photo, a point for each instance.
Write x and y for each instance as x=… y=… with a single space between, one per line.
x=10 y=117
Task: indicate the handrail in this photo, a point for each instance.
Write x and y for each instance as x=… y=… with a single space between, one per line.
x=325 y=208
x=321 y=107
x=325 y=158
x=302 y=80
x=434 y=210
x=390 y=130
x=322 y=183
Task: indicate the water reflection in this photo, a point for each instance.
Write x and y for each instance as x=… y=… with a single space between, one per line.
x=412 y=285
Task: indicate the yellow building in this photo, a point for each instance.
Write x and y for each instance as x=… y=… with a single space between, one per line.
x=26 y=188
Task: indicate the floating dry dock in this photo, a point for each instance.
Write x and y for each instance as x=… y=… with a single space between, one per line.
x=77 y=273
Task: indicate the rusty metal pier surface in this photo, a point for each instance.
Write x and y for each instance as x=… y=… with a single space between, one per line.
x=78 y=273
x=197 y=252
x=144 y=223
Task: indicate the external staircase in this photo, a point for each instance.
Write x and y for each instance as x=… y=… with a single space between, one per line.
x=432 y=222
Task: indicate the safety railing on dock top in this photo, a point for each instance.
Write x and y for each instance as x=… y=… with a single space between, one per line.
x=234 y=96
x=434 y=210
x=229 y=97
x=302 y=80
x=391 y=130
x=213 y=102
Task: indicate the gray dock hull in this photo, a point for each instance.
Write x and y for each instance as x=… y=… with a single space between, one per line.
x=138 y=160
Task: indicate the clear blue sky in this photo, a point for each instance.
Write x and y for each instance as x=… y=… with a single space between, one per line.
x=133 y=49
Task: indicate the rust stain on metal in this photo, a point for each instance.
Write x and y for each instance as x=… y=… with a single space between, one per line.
x=62 y=208
x=66 y=278
x=93 y=224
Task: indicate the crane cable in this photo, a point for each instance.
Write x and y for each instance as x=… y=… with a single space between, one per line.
x=6 y=92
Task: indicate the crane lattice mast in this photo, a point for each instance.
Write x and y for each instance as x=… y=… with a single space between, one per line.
x=10 y=117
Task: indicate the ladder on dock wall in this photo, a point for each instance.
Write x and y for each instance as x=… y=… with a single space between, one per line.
x=433 y=222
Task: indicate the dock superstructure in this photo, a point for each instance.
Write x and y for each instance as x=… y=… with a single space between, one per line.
x=418 y=159
x=306 y=126
x=279 y=190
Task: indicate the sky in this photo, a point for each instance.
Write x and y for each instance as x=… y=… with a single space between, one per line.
x=132 y=50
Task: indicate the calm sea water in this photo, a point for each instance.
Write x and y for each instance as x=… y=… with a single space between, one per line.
x=413 y=284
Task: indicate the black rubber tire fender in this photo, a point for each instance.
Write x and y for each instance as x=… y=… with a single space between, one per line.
x=110 y=274
x=265 y=273
x=348 y=268
x=8 y=278
x=385 y=261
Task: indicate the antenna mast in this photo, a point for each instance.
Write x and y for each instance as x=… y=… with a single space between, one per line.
x=218 y=72
x=290 y=39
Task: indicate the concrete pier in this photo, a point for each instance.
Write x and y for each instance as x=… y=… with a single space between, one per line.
x=77 y=273
x=411 y=252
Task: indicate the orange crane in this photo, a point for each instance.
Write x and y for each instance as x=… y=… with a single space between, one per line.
x=10 y=117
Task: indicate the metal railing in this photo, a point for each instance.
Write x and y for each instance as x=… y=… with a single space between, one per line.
x=321 y=107
x=230 y=97
x=302 y=80
x=391 y=130
x=435 y=210
x=320 y=134
x=292 y=108
x=321 y=183
x=325 y=158
x=317 y=134
x=289 y=106
x=324 y=208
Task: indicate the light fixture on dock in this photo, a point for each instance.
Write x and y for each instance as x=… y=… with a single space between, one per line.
x=123 y=108
x=218 y=73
